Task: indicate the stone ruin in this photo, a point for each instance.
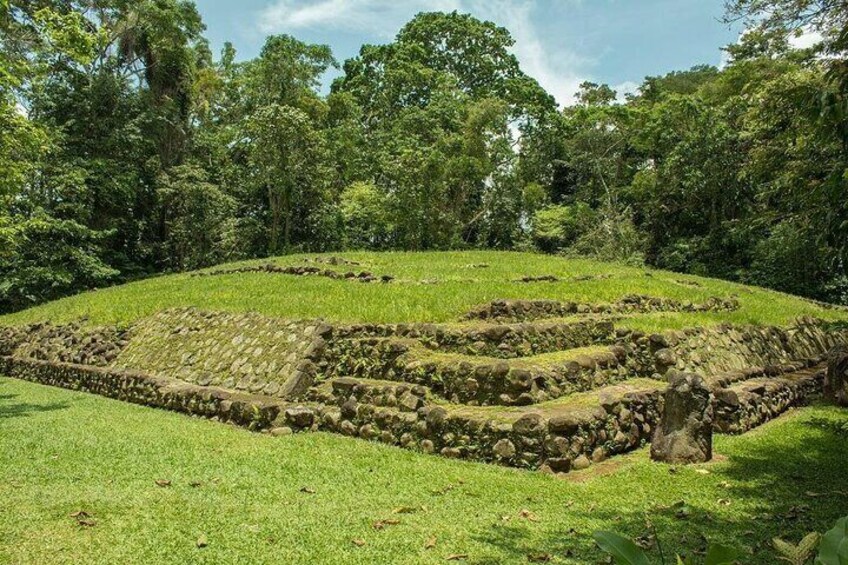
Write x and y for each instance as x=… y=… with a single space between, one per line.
x=531 y=384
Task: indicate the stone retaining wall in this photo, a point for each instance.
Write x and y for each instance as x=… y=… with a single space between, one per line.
x=69 y=343
x=139 y=388
x=522 y=310
x=530 y=441
x=742 y=408
x=505 y=341
x=730 y=348
x=245 y=352
x=554 y=439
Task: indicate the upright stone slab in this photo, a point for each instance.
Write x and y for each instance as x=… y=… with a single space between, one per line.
x=836 y=381
x=685 y=433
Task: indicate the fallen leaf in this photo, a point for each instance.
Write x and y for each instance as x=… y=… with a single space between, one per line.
x=163 y=483
x=404 y=510
x=88 y=523
x=430 y=543
x=702 y=471
x=202 y=541
x=307 y=490
x=358 y=542
x=195 y=484
x=79 y=514
x=724 y=502
x=456 y=557
x=380 y=524
x=526 y=514
x=539 y=557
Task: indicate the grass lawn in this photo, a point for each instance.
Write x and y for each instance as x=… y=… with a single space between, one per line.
x=306 y=498
x=429 y=287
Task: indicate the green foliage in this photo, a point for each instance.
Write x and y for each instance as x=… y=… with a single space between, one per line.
x=625 y=552
x=833 y=549
x=612 y=236
x=365 y=213
x=797 y=554
x=46 y=258
x=110 y=110
x=622 y=550
x=286 y=158
x=197 y=218
x=555 y=228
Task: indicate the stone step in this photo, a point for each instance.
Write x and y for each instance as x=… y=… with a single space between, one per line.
x=505 y=341
x=750 y=403
x=481 y=380
x=521 y=310
x=559 y=435
x=391 y=394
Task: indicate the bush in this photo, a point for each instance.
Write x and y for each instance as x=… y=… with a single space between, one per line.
x=555 y=228
x=365 y=214
x=612 y=237
x=790 y=259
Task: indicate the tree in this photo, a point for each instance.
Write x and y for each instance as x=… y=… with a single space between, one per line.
x=286 y=156
x=45 y=258
x=197 y=218
x=365 y=213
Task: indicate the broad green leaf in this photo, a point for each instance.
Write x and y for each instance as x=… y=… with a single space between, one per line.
x=624 y=551
x=721 y=555
x=833 y=549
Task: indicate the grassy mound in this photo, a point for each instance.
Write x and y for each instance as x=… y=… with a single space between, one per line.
x=425 y=287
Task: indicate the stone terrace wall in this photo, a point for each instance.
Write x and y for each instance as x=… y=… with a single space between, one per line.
x=148 y=390
x=67 y=343
x=559 y=442
x=245 y=352
x=520 y=310
x=728 y=348
x=505 y=341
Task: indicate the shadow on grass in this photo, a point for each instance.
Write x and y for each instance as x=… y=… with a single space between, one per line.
x=21 y=410
x=785 y=485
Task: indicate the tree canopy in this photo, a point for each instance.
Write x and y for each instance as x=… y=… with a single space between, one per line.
x=127 y=148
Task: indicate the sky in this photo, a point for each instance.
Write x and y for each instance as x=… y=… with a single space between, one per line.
x=561 y=43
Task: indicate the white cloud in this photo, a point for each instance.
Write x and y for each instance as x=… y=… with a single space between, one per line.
x=807 y=39
x=380 y=17
x=625 y=88
x=558 y=71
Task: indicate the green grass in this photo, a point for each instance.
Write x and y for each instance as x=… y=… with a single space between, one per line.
x=459 y=288
x=61 y=452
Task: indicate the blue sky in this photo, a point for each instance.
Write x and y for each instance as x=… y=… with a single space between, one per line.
x=559 y=42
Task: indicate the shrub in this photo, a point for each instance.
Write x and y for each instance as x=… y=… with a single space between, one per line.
x=365 y=214
x=612 y=237
x=197 y=219
x=556 y=227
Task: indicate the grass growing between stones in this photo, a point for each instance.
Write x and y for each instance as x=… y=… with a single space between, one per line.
x=428 y=287
x=316 y=498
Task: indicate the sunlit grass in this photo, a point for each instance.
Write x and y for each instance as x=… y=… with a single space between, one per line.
x=430 y=287
x=62 y=452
